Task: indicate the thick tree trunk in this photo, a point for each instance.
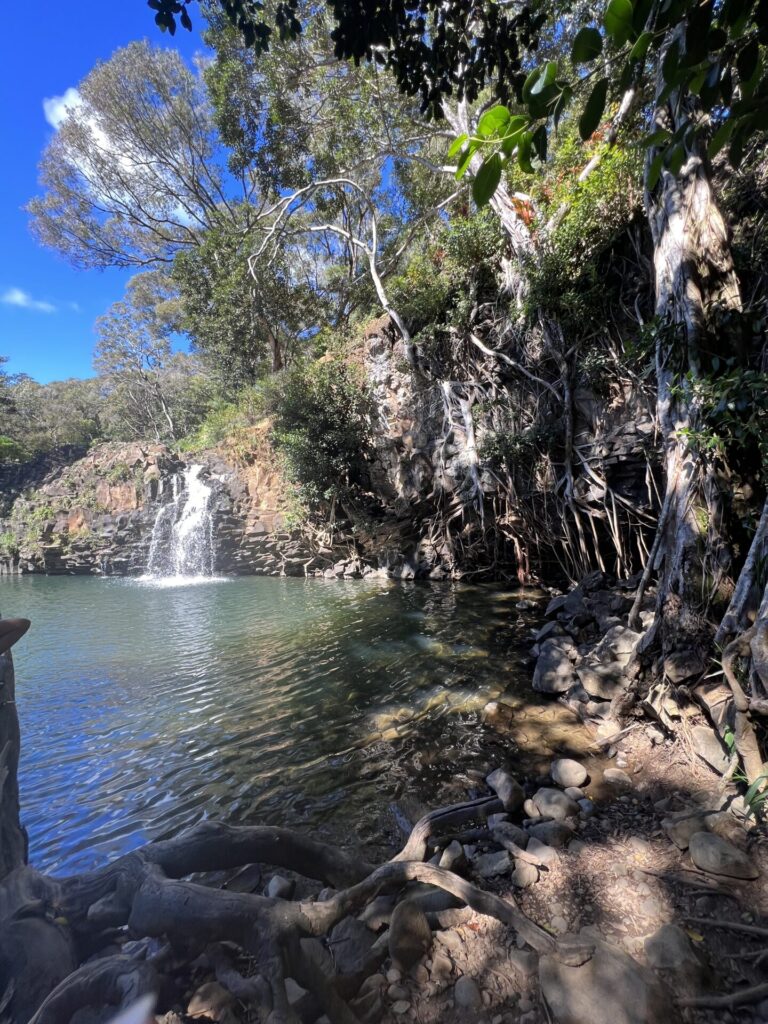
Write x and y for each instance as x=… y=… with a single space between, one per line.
x=13 y=839
x=696 y=287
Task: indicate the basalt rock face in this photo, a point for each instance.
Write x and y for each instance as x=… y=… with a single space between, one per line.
x=90 y=515
x=96 y=515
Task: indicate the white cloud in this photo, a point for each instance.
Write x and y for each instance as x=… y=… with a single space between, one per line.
x=22 y=299
x=56 y=108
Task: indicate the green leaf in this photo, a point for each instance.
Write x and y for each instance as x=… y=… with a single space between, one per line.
x=456 y=145
x=747 y=60
x=524 y=153
x=467 y=155
x=487 y=179
x=493 y=122
x=540 y=142
x=661 y=135
x=670 y=66
x=587 y=45
x=545 y=79
x=640 y=49
x=515 y=127
x=618 y=21
x=566 y=95
x=593 y=110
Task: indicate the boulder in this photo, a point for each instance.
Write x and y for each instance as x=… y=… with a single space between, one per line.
x=603 y=680
x=609 y=988
x=709 y=748
x=508 y=790
x=680 y=827
x=551 y=629
x=552 y=803
x=682 y=665
x=715 y=855
x=488 y=865
x=410 y=936
x=554 y=666
x=670 y=951
x=567 y=772
x=466 y=994
x=351 y=942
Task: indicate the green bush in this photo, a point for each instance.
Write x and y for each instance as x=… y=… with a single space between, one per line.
x=321 y=427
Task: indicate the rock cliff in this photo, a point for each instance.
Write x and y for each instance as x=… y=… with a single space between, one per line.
x=436 y=507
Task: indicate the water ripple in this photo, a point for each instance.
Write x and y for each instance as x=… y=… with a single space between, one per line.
x=145 y=708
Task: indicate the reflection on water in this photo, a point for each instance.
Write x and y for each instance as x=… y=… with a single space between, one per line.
x=145 y=708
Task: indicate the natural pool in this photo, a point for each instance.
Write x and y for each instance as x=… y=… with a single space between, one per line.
x=145 y=708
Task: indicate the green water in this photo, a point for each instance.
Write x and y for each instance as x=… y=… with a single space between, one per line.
x=317 y=704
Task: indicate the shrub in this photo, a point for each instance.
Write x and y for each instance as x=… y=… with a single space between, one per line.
x=321 y=427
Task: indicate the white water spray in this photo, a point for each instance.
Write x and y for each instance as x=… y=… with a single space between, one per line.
x=182 y=535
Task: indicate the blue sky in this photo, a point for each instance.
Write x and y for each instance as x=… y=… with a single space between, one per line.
x=47 y=308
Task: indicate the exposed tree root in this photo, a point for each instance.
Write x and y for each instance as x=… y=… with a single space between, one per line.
x=147 y=894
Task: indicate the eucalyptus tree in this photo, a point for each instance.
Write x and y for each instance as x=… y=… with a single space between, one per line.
x=132 y=176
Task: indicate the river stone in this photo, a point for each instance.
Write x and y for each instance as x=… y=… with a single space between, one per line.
x=574 y=792
x=552 y=803
x=525 y=875
x=507 y=789
x=610 y=988
x=554 y=666
x=452 y=857
x=466 y=994
x=410 y=936
x=717 y=856
x=351 y=942
x=552 y=629
x=669 y=950
x=682 y=665
x=567 y=772
x=544 y=854
x=553 y=833
x=680 y=827
x=491 y=864
x=602 y=680
x=279 y=888
x=618 y=778
x=709 y=748
x=506 y=830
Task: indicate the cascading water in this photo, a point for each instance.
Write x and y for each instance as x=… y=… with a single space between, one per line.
x=182 y=535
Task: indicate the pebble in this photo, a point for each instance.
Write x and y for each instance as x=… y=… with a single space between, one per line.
x=396 y=992
x=452 y=856
x=574 y=793
x=441 y=967
x=393 y=975
x=553 y=833
x=401 y=1006
x=559 y=924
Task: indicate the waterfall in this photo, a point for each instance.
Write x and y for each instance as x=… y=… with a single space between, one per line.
x=182 y=535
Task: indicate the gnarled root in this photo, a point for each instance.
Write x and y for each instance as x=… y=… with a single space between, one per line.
x=148 y=892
